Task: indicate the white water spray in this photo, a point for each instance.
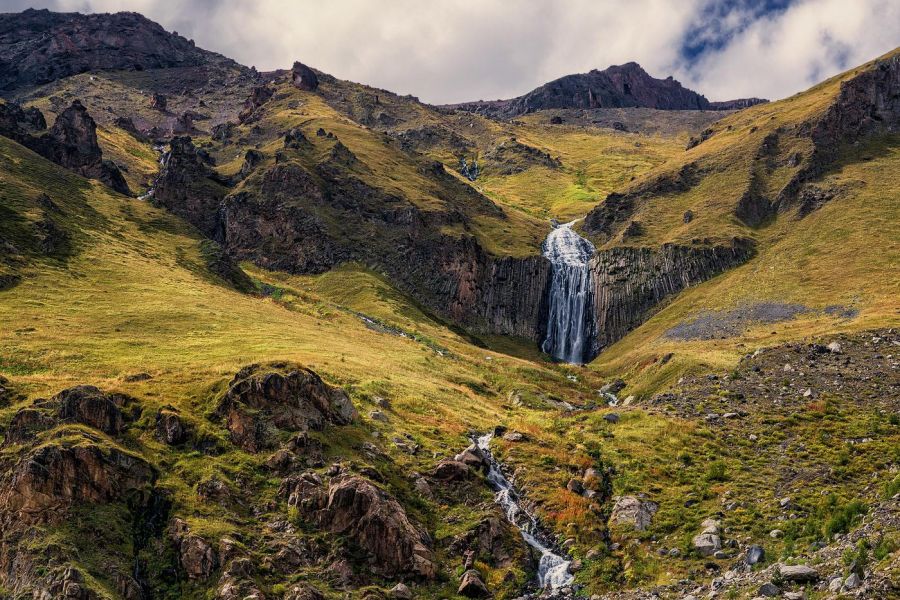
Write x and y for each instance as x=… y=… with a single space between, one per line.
x=553 y=569
x=570 y=314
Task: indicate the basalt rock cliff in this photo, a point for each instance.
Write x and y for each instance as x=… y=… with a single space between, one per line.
x=629 y=283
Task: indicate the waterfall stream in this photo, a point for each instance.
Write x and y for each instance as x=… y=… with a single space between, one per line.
x=553 y=569
x=570 y=317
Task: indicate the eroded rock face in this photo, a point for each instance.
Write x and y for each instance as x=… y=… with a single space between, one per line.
x=280 y=396
x=84 y=404
x=75 y=147
x=88 y=405
x=197 y=557
x=376 y=522
x=52 y=478
x=70 y=143
x=259 y=96
x=188 y=188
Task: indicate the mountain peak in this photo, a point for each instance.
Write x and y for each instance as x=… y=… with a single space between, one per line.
x=40 y=46
x=618 y=86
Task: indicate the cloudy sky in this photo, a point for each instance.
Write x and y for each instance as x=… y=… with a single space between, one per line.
x=456 y=50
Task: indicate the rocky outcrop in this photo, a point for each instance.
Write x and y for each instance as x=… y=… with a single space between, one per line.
x=259 y=96
x=279 y=396
x=738 y=104
x=51 y=478
x=70 y=143
x=511 y=156
x=374 y=521
x=39 y=46
x=170 y=428
x=83 y=404
x=303 y=77
x=75 y=147
x=189 y=188
x=619 y=86
x=630 y=282
x=866 y=104
x=197 y=557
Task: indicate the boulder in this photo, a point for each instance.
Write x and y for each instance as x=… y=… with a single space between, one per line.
x=401 y=592
x=769 y=590
x=754 y=555
x=88 y=405
x=633 y=512
x=303 y=77
x=372 y=520
x=471 y=585
x=451 y=470
x=708 y=542
x=798 y=573
x=472 y=457
x=281 y=396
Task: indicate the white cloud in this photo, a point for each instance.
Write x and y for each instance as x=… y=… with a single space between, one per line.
x=455 y=50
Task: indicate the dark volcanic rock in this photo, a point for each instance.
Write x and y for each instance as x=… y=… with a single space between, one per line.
x=616 y=210
x=159 y=102
x=39 y=46
x=303 y=77
x=188 y=188
x=867 y=103
x=70 y=143
x=618 y=86
x=88 y=405
x=629 y=282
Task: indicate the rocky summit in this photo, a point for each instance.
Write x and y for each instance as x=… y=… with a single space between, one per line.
x=279 y=335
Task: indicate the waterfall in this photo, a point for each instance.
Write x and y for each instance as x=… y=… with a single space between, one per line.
x=553 y=569
x=570 y=319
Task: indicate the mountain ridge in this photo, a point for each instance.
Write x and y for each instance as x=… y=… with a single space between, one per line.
x=618 y=86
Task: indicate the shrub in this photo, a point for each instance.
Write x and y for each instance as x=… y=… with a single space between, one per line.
x=716 y=471
x=843 y=517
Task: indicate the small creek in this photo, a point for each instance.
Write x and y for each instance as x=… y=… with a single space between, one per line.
x=553 y=568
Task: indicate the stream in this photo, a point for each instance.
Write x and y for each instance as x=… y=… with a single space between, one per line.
x=553 y=569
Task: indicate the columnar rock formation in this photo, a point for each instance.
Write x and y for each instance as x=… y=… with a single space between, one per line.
x=630 y=282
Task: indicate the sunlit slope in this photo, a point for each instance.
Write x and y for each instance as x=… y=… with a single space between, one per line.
x=840 y=263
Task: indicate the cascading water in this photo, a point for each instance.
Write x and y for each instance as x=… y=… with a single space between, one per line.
x=570 y=318
x=553 y=569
